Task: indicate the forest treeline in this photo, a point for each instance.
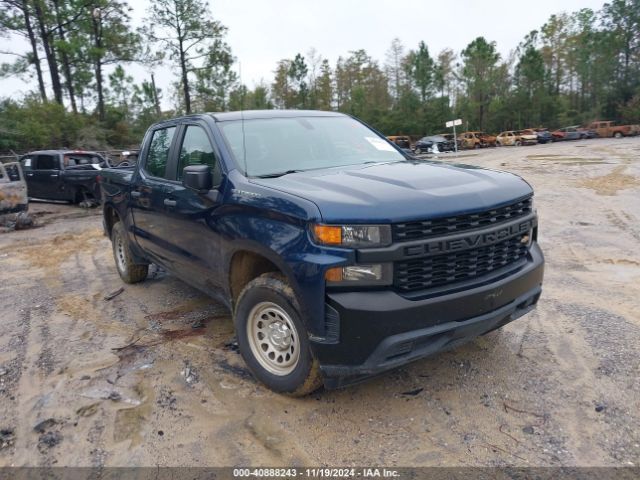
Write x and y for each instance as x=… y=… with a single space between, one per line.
x=76 y=55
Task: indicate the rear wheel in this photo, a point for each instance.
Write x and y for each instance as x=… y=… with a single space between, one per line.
x=272 y=338
x=84 y=198
x=129 y=271
x=518 y=143
x=418 y=150
x=618 y=134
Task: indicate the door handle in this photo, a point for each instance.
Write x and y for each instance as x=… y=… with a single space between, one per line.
x=170 y=203
x=136 y=194
x=29 y=174
x=53 y=175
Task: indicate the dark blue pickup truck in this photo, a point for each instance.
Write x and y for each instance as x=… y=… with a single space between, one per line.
x=339 y=255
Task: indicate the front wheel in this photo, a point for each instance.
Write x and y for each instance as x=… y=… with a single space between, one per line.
x=272 y=338
x=618 y=135
x=418 y=151
x=129 y=271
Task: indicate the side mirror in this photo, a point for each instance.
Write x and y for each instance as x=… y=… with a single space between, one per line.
x=198 y=177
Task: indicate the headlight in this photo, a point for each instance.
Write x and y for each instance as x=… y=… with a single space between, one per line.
x=360 y=275
x=353 y=235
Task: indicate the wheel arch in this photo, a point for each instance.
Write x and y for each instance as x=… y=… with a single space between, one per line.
x=248 y=262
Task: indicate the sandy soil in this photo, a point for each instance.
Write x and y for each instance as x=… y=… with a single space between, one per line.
x=90 y=382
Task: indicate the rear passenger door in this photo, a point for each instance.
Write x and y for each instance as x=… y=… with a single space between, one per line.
x=43 y=181
x=148 y=194
x=192 y=216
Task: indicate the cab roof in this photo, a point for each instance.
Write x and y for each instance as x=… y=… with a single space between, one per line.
x=257 y=114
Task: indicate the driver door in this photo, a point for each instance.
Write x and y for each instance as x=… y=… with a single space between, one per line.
x=192 y=217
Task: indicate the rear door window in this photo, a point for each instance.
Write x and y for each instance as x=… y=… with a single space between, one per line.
x=158 y=155
x=46 y=162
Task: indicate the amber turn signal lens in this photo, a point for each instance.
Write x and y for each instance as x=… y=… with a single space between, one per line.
x=333 y=275
x=328 y=235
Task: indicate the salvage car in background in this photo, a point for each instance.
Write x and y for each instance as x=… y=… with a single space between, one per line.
x=567 y=133
x=69 y=175
x=450 y=137
x=476 y=140
x=528 y=137
x=544 y=136
x=434 y=143
x=610 y=129
x=13 y=189
x=508 y=138
x=585 y=133
x=402 y=141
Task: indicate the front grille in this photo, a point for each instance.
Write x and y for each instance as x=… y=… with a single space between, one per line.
x=430 y=272
x=403 y=232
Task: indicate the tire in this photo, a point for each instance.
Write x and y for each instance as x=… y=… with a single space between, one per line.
x=618 y=135
x=518 y=144
x=418 y=151
x=278 y=356
x=129 y=271
x=84 y=198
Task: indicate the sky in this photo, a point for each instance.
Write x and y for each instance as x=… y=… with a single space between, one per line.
x=261 y=32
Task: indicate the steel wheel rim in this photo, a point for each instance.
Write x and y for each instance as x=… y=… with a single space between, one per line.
x=273 y=338
x=121 y=258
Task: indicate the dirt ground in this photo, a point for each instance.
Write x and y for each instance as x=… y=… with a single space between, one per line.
x=90 y=382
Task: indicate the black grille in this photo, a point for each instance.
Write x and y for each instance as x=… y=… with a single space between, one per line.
x=430 y=272
x=403 y=232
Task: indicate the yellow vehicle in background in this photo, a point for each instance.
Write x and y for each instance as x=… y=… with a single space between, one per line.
x=476 y=140
x=403 y=141
x=517 y=138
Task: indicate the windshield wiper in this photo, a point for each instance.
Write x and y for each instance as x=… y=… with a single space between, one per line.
x=281 y=174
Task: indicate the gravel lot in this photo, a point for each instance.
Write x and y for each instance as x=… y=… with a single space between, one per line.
x=90 y=382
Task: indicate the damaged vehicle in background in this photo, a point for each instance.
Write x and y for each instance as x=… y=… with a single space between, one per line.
x=69 y=175
x=14 y=202
x=508 y=138
x=402 y=141
x=567 y=133
x=543 y=135
x=13 y=189
x=338 y=256
x=585 y=133
x=470 y=140
x=517 y=138
x=434 y=144
x=608 y=129
x=528 y=137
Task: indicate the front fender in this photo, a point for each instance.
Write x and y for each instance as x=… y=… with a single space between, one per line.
x=288 y=247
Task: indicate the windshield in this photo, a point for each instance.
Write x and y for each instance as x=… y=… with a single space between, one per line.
x=279 y=145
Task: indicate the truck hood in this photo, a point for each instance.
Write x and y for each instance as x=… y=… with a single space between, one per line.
x=401 y=191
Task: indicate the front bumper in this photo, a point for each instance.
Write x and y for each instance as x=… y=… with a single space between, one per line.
x=381 y=330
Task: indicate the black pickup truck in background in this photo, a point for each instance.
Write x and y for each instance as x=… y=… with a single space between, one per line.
x=69 y=175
